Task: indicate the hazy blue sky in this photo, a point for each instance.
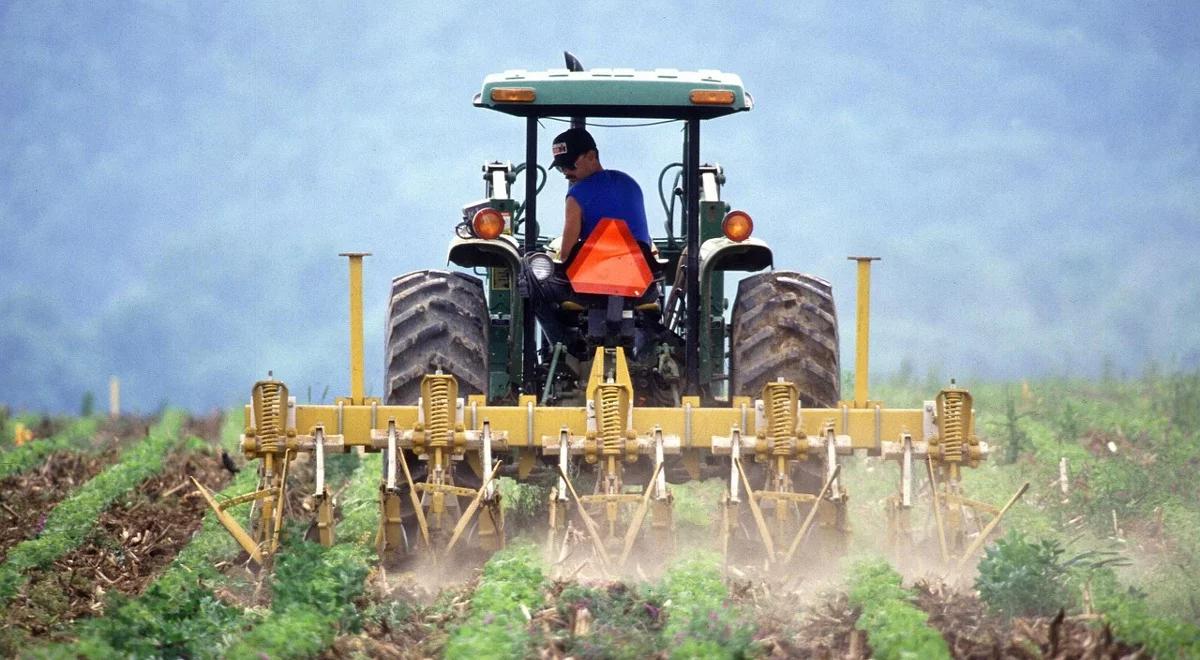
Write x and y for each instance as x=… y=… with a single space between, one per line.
x=177 y=179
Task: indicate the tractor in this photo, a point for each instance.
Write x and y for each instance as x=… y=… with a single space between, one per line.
x=654 y=385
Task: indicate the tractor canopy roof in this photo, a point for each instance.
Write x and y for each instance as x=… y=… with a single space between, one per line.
x=657 y=94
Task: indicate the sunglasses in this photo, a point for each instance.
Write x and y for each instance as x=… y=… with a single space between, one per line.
x=564 y=168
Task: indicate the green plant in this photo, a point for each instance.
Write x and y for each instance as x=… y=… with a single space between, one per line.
x=1069 y=423
x=1125 y=609
x=1016 y=439
x=524 y=504
x=1022 y=578
x=696 y=502
x=1117 y=484
x=172 y=618
x=1018 y=577
x=626 y=620
x=700 y=622
x=895 y=628
x=1181 y=402
x=315 y=593
x=177 y=615
x=498 y=627
x=317 y=590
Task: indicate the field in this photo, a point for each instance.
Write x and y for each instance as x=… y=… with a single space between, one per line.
x=106 y=551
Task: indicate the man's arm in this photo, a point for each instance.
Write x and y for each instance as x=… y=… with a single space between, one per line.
x=572 y=224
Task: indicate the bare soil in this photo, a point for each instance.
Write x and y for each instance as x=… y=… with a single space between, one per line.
x=26 y=498
x=823 y=631
x=972 y=632
x=423 y=633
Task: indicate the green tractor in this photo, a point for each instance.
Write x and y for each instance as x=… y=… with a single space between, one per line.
x=675 y=341
x=479 y=328
x=651 y=382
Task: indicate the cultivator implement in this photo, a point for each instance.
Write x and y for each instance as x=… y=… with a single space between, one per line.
x=450 y=437
x=435 y=447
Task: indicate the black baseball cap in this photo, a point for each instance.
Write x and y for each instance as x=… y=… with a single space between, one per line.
x=570 y=145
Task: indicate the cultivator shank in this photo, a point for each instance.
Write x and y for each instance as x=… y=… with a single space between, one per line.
x=948 y=444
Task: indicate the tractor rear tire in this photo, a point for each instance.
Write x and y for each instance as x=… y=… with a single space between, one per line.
x=437 y=320
x=785 y=325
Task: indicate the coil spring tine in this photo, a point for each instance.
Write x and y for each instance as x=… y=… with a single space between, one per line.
x=437 y=424
x=954 y=435
x=610 y=419
x=268 y=429
x=781 y=420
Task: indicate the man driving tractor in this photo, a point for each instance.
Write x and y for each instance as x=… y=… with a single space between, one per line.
x=594 y=193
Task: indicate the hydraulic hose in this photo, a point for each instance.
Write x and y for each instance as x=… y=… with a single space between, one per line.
x=669 y=209
x=517 y=219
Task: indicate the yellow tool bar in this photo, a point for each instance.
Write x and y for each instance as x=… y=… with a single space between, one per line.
x=528 y=424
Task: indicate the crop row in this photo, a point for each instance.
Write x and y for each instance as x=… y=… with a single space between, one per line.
x=895 y=627
x=511 y=587
x=30 y=454
x=181 y=615
x=700 y=621
x=316 y=589
x=177 y=615
x=687 y=614
x=68 y=525
x=1127 y=612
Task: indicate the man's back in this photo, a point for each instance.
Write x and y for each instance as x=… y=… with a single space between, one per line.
x=611 y=194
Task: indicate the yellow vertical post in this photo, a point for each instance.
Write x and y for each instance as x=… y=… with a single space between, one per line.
x=356 y=325
x=114 y=397
x=862 y=336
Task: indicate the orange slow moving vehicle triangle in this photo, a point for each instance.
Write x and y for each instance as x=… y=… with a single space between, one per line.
x=610 y=262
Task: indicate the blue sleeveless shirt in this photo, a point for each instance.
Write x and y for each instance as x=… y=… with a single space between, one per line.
x=611 y=194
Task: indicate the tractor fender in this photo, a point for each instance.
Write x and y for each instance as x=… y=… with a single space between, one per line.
x=721 y=254
x=475 y=252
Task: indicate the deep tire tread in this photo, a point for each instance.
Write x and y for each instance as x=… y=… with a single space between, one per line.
x=436 y=319
x=785 y=325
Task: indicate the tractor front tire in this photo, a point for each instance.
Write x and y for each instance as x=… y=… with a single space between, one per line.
x=785 y=326
x=437 y=320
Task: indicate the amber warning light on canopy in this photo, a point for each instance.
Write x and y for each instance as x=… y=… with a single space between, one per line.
x=712 y=97
x=610 y=262
x=513 y=95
